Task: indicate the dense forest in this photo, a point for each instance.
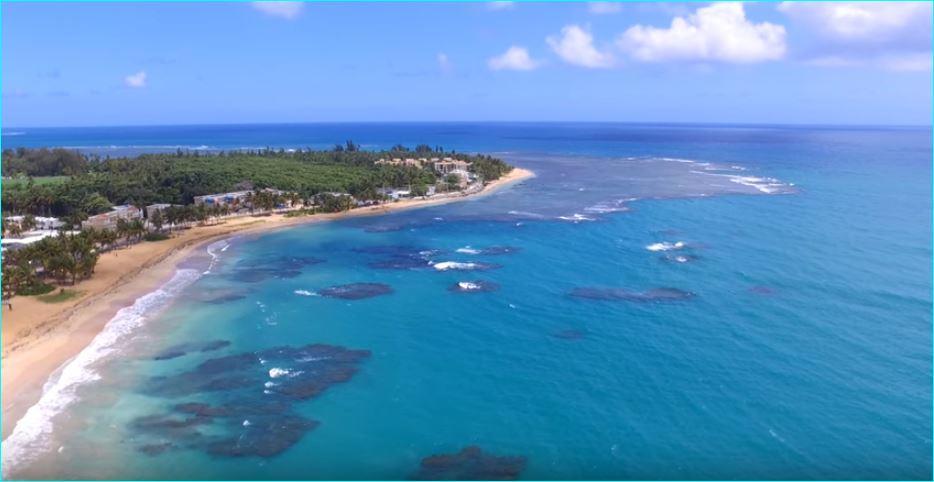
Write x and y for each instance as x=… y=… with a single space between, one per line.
x=92 y=184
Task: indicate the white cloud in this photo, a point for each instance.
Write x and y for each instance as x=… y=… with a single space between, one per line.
x=604 y=8
x=514 y=58
x=903 y=23
x=575 y=46
x=444 y=63
x=286 y=10
x=893 y=36
x=136 y=80
x=718 y=33
x=502 y=5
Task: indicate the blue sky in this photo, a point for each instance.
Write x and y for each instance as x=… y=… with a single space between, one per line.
x=75 y=64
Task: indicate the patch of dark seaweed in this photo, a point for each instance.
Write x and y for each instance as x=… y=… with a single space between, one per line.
x=356 y=291
x=471 y=463
x=475 y=286
x=620 y=294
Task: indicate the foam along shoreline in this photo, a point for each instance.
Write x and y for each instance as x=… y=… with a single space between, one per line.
x=40 y=339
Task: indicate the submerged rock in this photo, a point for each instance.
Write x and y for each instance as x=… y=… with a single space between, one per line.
x=620 y=294
x=471 y=463
x=356 y=291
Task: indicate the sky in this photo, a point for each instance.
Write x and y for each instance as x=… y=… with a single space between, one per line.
x=101 y=64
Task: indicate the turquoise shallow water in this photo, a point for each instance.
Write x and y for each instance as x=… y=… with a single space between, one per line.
x=801 y=349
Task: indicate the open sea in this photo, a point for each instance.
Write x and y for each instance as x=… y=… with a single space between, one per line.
x=659 y=302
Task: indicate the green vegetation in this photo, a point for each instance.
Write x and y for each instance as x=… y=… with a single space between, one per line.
x=72 y=186
x=22 y=181
x=155 y=236
x=60 y=296
x=93 y=185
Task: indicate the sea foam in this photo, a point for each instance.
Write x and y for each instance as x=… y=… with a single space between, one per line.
x=31 y=435
x=665 y=246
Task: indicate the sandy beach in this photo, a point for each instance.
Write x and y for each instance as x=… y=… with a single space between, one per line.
x=39 y=337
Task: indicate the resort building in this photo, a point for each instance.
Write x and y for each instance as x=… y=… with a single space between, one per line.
x=109 y=219
x=232 y=199
x=448 y=166
x=153 y=208
x=42 y=223
x=420 y=162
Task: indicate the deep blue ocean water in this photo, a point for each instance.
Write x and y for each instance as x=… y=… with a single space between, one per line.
x=785 y=333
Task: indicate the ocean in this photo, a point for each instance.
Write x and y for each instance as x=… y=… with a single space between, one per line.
x=659 y=302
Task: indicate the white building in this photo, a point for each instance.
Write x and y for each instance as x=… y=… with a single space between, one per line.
x=109 y=219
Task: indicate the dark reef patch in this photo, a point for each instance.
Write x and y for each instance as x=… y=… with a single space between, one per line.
x=404 y=257
x=255 y=394
x=265 y=437
x=471 y=463
x=620 y=294
x=186 y=348
x=260 y=269
x=155 y=448
x=356 y=291
x=219 y=299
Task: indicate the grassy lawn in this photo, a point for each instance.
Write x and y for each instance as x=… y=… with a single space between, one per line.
x=59 y=296
x=38 y=180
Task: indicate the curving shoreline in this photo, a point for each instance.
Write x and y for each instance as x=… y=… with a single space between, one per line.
x=38 y=338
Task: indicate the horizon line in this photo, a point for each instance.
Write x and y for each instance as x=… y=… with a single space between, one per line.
x=634 y=123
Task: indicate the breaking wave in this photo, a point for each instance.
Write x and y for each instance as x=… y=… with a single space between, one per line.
x=30 y=436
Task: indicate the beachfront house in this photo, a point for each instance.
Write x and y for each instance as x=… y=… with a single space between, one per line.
x=394 y=193
x=109 y=219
